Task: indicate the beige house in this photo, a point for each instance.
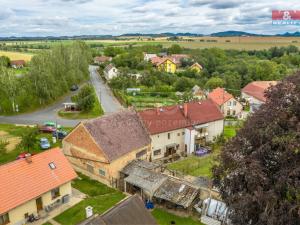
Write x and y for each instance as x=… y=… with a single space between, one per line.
x=34 y=185
x=227 y=103
x=182 y=129
x=110 y=71
x=102 y=147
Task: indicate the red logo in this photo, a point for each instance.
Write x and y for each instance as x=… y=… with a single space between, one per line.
x=285 y=14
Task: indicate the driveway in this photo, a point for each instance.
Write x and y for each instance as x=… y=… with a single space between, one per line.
x=109 y=103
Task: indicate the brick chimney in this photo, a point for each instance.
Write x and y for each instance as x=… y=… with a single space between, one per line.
x=185 y=109
x=28 y=158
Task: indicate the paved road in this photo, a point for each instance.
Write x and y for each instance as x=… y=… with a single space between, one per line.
x=108 y=101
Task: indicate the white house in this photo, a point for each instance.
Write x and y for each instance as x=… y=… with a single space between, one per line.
x=182 y=129
x=254 y=93
x=110 y=71
x=148 y=56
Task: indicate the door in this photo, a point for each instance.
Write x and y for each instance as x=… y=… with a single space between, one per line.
x=39 y=204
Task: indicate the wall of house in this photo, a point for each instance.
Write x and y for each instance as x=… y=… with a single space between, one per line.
x=17 y=215
x=215 y=129
x=88 y=158
x=160 y=141
x=254 y=103
x=238 y=108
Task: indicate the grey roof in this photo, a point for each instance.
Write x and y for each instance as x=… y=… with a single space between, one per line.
x=146 y=179
x=138 y=163
x=177 y=191
x=118 y=134
x=130 y=211
x=108 y=67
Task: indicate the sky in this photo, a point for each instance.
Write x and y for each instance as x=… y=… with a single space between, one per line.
x=101 y=17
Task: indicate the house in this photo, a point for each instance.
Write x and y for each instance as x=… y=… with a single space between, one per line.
x=176 y=58
x=149 y=56
x=102 y=59
x=254 y=93
x=167 y=65
x=196 y=67
x=101 y=147
x=182 y=129
x=227 y=103
x=17 y=64
x=198 y=93
x=155 y=60
x=130 y=211
x=110 y=71
x=32 y=185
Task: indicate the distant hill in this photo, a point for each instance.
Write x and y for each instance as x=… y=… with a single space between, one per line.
x=287 y=34
x=168 y=34
x=232 y=33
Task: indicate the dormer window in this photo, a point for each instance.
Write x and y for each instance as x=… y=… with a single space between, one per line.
x=52 y=166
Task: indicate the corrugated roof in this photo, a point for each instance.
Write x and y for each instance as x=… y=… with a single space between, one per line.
x=118 y=134
x=168 y=118
x=22 y=181
x=257 y=89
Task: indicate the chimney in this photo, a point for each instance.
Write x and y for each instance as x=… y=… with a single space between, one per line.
x=28 y=158
x=185 y=109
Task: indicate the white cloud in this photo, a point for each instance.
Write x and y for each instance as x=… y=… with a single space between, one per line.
x=75 y=17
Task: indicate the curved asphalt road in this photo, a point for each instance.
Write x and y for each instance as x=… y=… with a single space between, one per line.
x=49 y=113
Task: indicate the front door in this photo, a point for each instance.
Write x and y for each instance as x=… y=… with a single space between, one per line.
x=39 y=204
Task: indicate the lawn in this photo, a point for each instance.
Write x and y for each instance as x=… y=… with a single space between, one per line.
x=16 y=55
x=229 y=131
x=100 y=197
x=164 y=218
x=17 y=131
x=145 y=102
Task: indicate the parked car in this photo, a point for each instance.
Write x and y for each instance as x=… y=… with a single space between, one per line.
x=60 y=134
x=44 y=143
x=52 y=124
x=74 y=87
x=47 y=129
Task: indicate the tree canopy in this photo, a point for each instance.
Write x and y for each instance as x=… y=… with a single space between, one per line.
x=259 y=170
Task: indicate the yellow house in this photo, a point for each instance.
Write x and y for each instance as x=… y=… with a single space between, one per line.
x=167 y=65
x=100 y=148
x=197 y=67
x=33 y=185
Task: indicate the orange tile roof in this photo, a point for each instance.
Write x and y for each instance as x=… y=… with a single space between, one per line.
x=257 y=89
x=22 y=181
x=156 y=60
x=219 y=96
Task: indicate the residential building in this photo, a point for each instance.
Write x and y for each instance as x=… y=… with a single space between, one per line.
x=254 y=93
x=167 y=65
x=182 y=129
x=110 y=71
x=227 y=103
x=102 y=59
x=196 y=67
x=149 y=56
x=101 y=147
x=176 y=58
x=30 y=186
x=130 y=211
x=198 y=93
x=155 y=60
x=17 y=64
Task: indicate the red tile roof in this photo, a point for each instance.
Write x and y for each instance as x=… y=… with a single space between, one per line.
x=156 y=60
x=219 y=96
x=257 y=89
x=22 y=181
x=18 y=62
x=170 y=118
x=102 y=59
x=165 y=59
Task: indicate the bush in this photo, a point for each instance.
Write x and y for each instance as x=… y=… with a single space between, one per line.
x=85 y=98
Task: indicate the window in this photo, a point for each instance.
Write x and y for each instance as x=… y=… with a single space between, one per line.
x=183 y=133
x=178 y=134
x=102 y=172
x=169 y=135
x=90 y=168
x=157 y=152
x=234 y=103
x=4 y=219
x=228 y=112
x=26 y=215
x=233 y=112
x=229 y=103
x=141 y=153
x=55 y=193
x=52 y=165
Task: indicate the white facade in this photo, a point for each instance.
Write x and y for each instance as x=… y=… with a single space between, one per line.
x=111 y=73
x=184 y=139
x=232 y=108
x=253 y=102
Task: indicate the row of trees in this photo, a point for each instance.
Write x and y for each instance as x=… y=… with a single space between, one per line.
x=51 y=74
